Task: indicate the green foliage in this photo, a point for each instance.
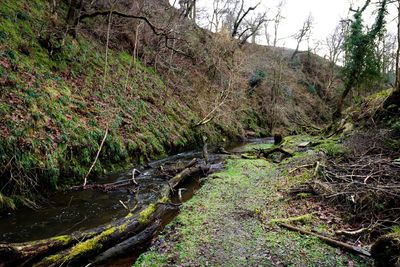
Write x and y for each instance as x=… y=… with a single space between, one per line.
x=312 y=89
x=256 y=78
x=396 y=229
x=361 y=64
x=332 y=149
x=396 y=127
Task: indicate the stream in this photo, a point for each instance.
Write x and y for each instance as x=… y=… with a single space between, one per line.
x=66 y=212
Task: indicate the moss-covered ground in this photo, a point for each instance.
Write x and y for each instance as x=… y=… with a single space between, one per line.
x=233 y=219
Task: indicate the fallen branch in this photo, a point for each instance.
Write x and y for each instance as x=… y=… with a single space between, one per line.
x=329 y=241
x=97 y=156
x=300 y=167
x=106 y=187
x=133 y=176
x=351 y=233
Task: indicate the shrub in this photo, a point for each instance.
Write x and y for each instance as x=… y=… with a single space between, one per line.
x=257 y=77
x=396 y=127
x=311 y=89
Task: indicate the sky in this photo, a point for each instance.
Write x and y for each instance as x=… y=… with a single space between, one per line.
x=326 y=15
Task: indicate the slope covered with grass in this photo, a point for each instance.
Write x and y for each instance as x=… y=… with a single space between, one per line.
x=56 y=104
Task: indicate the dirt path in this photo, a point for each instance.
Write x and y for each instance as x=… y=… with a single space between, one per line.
x=229 y=221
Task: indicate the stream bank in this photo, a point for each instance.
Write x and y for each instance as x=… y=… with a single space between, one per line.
x=70 y=222
x=231 y=221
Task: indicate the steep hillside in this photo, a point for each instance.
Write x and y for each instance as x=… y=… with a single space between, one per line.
x=145 y=91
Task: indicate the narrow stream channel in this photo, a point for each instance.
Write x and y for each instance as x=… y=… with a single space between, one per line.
x=66 y=212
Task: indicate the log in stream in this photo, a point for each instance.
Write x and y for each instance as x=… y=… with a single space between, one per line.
x=99 y=244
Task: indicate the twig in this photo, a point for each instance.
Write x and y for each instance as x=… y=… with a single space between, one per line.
x=133 y=176
x=352 y=233
x=123 y=204
x=300 y=167
x=180 y=193
x=97 y=156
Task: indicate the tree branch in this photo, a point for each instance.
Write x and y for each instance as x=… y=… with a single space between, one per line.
x=157 y=31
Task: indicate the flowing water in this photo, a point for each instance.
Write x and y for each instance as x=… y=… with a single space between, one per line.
x=66 y=212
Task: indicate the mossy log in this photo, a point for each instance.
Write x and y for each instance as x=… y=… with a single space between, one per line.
x=123 y=247
x=27 y=251
x=98 y=244
x=266 y=152
x=78 y=248
x=188 y=172
x=386 y=251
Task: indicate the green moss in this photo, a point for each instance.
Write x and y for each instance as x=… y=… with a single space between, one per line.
x=88 y=245
x=164 y=200
x=150 y=259
x=145 y=214
x=304 y=195
x=253 y=147
x=332 y=149
x=64 y=239
x=396 y=229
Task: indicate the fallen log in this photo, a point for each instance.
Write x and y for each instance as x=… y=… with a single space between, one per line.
x=98 y=244
x=18 y=253
x=77 y=248
x=122 y=248
x=266 y=152
x=192 y=171
x=81 y=252
x=329 y=241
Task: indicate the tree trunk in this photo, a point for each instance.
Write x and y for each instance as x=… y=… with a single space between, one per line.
x=397 y=83
x=337 y=115
x=72 y=20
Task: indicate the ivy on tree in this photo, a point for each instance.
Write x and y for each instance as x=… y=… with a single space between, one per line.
x=361 y=62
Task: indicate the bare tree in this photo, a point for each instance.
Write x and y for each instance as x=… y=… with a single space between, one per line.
x=219 y=10
x=303 y=34
x=334 y=44
x=241 y=14
x=277 y=21
x=397 y=84
x=334 y=41
x=252 y=27
x=188 y=8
